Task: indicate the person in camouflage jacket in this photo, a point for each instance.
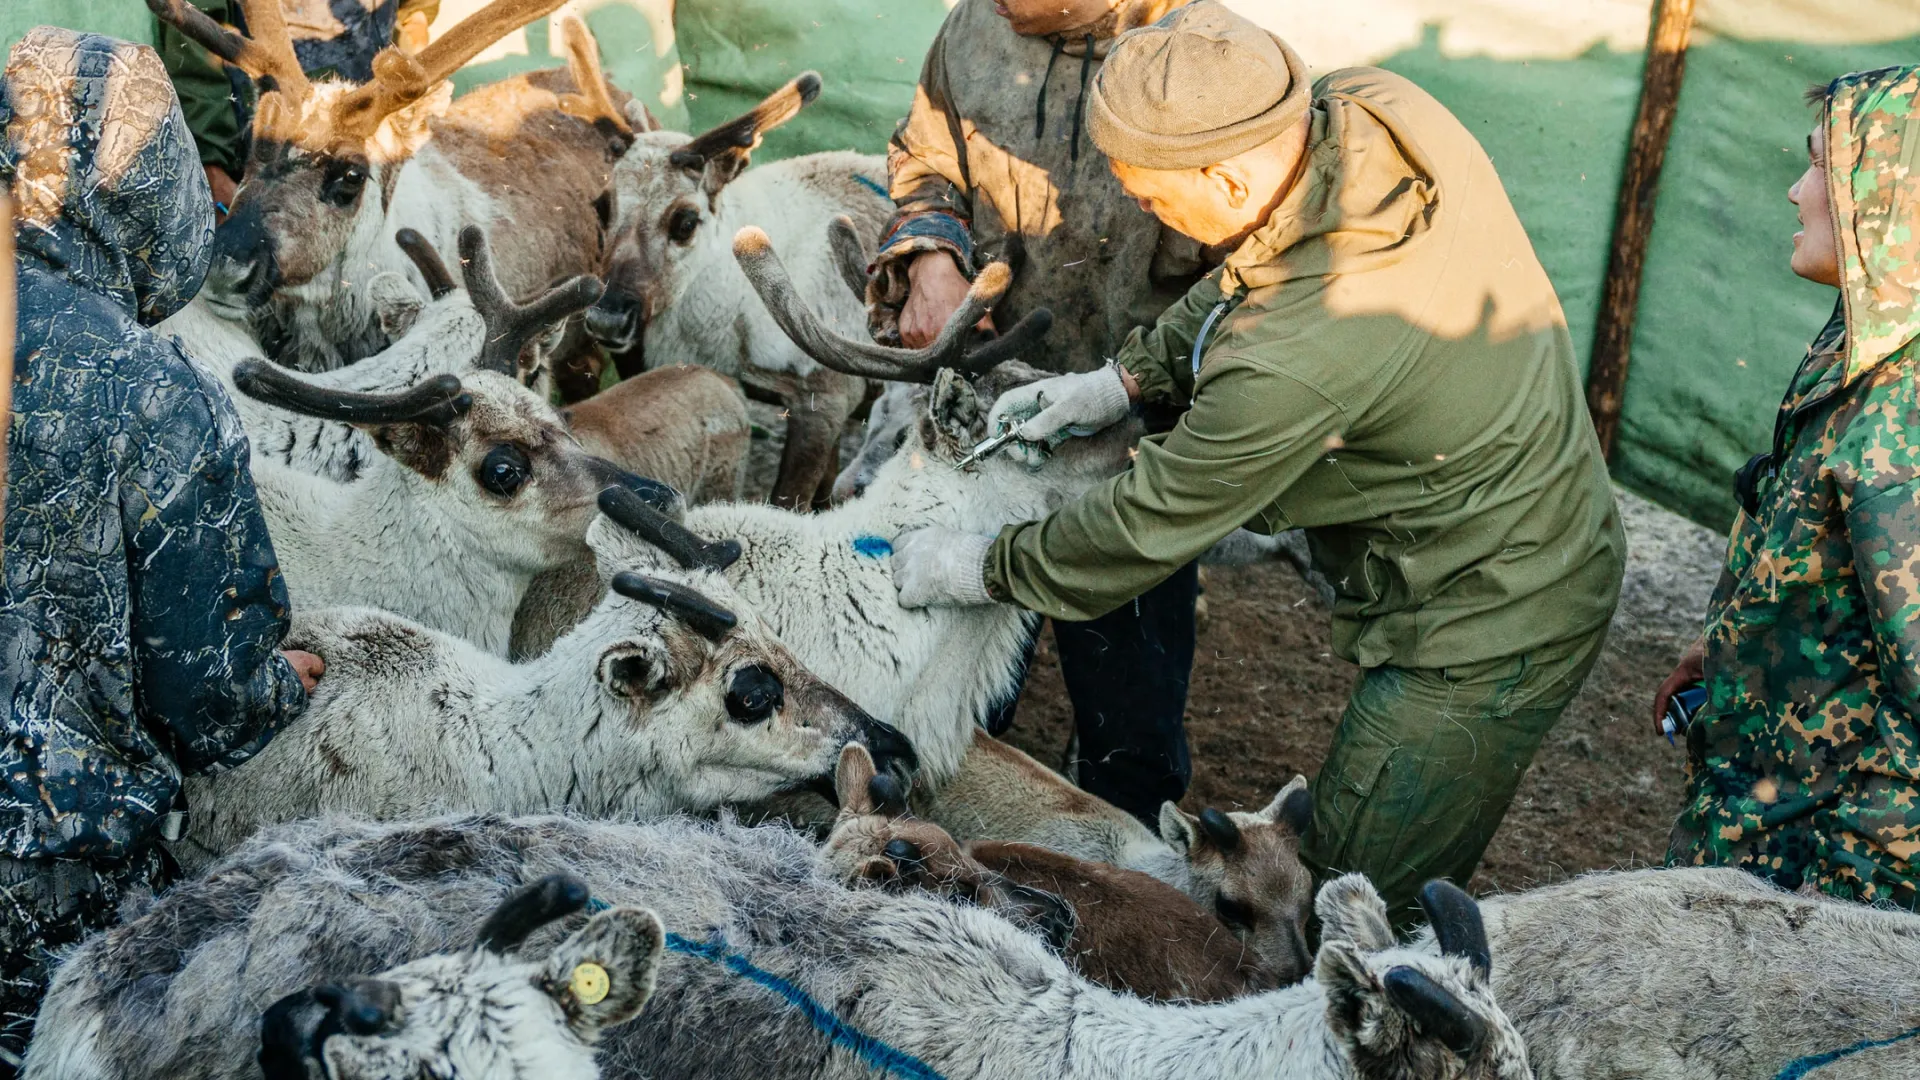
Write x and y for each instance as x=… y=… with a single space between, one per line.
x=1804 y=765
x=141 y=608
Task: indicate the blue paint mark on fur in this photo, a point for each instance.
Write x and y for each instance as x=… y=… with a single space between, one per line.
x=873 y=547
x=1800 y=1067
x=877 y=1054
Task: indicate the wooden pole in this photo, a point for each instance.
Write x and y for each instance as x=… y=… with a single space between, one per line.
x=1633 y=220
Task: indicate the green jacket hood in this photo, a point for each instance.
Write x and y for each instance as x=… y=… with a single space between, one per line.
x=1873 y=178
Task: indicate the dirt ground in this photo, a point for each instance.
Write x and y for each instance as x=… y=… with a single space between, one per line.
x=1267 y=693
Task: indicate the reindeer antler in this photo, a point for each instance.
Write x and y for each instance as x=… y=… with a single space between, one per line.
x=592 y=100
x=851 y=255
x=400 y=78
x=511 y=326
x=437 y=401
x=702 y=615
x=265 y=52
x=867 y=360
x=426 y=259
x=628 y=510
x=742 y=133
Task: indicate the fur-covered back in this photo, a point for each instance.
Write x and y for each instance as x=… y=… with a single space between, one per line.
x=181 y=990
x=767 y=947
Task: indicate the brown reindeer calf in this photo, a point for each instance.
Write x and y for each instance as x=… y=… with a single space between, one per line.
x=1120 y=928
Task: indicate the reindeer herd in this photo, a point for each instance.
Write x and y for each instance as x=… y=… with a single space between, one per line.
x=614 y=773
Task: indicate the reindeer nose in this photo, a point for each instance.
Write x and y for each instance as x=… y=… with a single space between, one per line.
x=904 y=852
x=614 y=320
x=892 y=751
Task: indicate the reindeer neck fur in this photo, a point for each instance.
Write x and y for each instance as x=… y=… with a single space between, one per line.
x=409 y=722
x=713 y=315
x=932 y=672
x=380 y=541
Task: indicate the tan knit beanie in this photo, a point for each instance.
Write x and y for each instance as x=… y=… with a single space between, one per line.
x=1194 y=89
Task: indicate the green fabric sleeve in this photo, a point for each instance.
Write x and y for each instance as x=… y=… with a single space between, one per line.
x=1885 y=530
x=1160 y=358
x=206 y=97
x=1252 y=431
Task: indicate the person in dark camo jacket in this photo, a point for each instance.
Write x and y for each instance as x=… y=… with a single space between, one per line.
x=141 y=608
x=1803 y=767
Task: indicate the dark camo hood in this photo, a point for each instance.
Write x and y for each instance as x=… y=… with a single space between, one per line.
x=1873 y=177
x=107 y=185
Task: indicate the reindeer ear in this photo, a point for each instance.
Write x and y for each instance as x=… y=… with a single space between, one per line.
x=1178 y=828
x=634 y=669
x=851 y=778
x=955 y=411
x=1351 y=989
x=1292 y=807
x=1351 y=910
x=604 y=974
x=425 y=448
x=396 y=303
x=1051 y=915
x=403 y=132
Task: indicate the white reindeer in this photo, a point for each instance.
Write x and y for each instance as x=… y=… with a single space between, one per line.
x=478 y=1013
x=336 y=169
x=676 y=296
x=662 y=700
x=777 y=971
x=475 y=490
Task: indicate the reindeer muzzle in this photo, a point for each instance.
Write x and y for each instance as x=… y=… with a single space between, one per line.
x=243 y=271
x=614 y=320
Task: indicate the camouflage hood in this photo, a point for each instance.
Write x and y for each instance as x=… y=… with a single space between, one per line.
x=106 y=182
x=1873 y=176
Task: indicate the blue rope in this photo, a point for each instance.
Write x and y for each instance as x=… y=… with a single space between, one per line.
x=1800 y=1067
x=872 y=185
x=877 y=1054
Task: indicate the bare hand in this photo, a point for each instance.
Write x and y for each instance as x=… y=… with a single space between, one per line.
x=935 y=290
x=306 y=665
x=1692 y=667
x=224 y=189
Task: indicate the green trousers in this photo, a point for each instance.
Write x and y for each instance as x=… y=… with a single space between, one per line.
x=1426 y=761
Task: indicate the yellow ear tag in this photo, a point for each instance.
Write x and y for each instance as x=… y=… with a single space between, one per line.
x=589 y=984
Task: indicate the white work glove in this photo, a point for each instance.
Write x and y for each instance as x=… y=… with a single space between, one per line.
x=935 y=567
x=1052 y=410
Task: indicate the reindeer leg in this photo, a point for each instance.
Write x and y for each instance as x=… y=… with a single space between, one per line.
x=817 y=414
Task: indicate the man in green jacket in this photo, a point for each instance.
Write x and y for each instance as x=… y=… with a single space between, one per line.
x=1382 y=361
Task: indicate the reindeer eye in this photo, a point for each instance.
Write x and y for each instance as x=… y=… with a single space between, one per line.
x=1236 y=915
x=343 y=182
x=681 y=225
x=754 y=694
x=505 y=470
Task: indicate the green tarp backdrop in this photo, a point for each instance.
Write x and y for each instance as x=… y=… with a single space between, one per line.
x=1550 y=87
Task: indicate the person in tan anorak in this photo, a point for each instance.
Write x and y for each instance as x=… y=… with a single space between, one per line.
x=1380 y=360
x=1803 y=767
x=994 y=162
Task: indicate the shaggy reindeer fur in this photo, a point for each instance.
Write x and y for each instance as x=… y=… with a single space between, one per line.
x=823 y=581
x=674 y=289
x=427 y=531
x=176 y=993
x=638 y=711
x=1119 y=928
x=1704 y=974
x=479 y=1013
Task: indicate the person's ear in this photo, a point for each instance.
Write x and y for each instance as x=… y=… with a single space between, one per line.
x=1232 y=184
